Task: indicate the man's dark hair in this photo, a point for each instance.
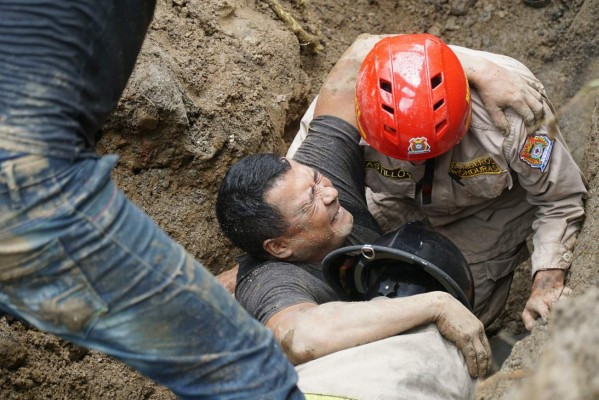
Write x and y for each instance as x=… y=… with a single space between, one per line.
x=242 y=211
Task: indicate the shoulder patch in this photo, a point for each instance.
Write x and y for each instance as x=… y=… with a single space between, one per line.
x=479 y=166
x=396 y=173
x=536 y=151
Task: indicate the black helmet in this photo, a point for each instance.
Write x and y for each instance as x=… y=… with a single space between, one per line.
x=410 y=260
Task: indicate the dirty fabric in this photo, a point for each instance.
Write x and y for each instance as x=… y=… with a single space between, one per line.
x=63 y=67
x=274 y=286
x=418 y=365
x=78 y=259
x=488 y=199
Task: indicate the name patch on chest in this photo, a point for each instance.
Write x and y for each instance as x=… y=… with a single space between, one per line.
x=536 y=151
x=395 y=173
x=479 y=166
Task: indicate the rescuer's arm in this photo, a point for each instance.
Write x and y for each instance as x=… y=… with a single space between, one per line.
x=555 y=185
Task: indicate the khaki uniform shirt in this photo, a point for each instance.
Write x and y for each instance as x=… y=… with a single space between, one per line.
x=489 y=191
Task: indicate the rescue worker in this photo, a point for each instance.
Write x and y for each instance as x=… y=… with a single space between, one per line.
x=485 y=190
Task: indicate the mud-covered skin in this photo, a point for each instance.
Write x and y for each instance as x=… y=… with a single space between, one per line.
x=523 y=96
x=229 y=279
x=467 y=334
x=547 y=288
x=306 y=331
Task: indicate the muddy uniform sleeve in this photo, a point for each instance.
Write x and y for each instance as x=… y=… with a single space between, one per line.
x=275 y=286
x=555 y=185
x=332 y=147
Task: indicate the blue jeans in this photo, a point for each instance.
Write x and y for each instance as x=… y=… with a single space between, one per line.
x=81 y=261
x=77 y=259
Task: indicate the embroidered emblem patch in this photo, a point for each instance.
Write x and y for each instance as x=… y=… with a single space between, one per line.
x=419 y=145
x=479 y=166
x=397 y=173
x=536 y=151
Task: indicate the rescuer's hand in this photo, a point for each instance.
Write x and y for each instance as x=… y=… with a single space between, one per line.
x=547 y=288
x=500 y=88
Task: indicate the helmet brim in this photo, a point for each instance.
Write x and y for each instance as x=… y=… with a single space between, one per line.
x=332 y=262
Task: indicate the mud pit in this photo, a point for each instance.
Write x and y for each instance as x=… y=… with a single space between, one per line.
x=221 y=79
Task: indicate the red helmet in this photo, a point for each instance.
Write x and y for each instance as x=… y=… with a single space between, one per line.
x=412 y=97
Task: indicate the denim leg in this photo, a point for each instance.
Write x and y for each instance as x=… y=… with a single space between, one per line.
x=81 y=261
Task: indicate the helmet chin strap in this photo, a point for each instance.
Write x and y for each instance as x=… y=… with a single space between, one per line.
x=425 y=185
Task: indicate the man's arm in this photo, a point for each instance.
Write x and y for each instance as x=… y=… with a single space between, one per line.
x=499 y=87
x=336 y=96
x=308 y=331
x=555 y=185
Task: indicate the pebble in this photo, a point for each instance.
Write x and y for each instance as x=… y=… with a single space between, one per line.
x=461 y=7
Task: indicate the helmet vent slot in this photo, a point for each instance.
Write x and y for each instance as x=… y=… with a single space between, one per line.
x=386 y=86
x=389 y=129
x=441 y=125
x=436 y=80
x=390 y=110
x=438 y=104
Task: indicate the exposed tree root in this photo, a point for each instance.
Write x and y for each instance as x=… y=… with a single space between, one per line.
x=313 y=42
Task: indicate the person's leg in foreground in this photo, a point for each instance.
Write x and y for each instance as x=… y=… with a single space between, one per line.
x=77 y=259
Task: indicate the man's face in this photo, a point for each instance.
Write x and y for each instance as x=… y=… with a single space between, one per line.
x=317 y=222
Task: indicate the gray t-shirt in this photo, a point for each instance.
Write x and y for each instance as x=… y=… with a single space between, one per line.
x=265 y=287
